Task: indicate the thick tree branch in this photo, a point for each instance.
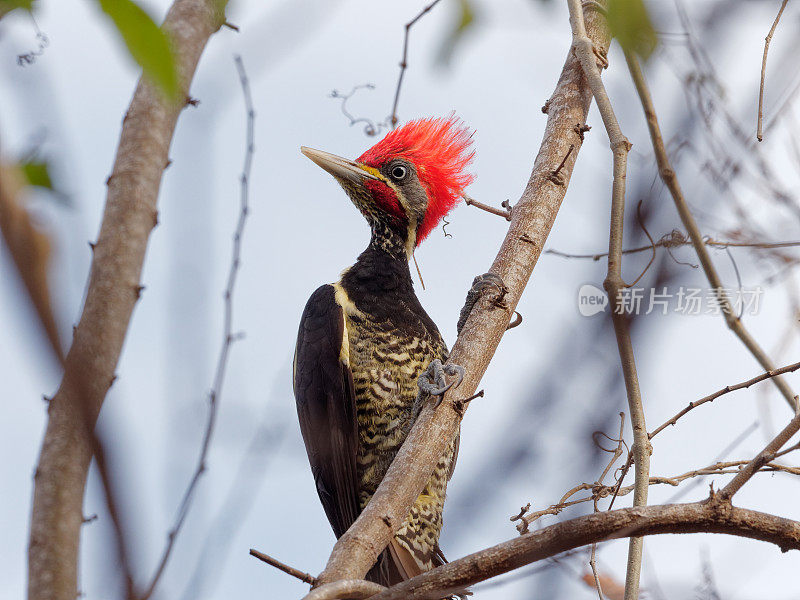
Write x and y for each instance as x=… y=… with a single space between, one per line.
x=352 y=589
x=709 y=516
x=670 y=179
x=531 y=221
x=130 y=214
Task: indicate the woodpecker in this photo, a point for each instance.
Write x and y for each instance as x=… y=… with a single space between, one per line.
x=367 y=353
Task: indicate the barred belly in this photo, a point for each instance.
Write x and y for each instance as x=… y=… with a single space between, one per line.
x=385 y=366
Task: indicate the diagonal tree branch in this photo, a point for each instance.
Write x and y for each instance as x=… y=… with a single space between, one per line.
x=532 y=219
x=763 y=457
x=130 y=214
x=726 y=390
x=670 y=179
x=709 y=516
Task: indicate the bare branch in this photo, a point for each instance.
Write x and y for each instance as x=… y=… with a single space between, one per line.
x=532 y=218
x=763 y=457
x=727 y=389
x=670 y=179
x=352 y=589
x=274 y=562
x=676 y=238
x=588 y=53
x=600 y=491
x=228 y=337
x=709 y=516
x=506 y=214
x=767 y=40
x=404 y=61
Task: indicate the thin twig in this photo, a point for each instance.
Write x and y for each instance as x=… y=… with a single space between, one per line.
x=767 y=40
x=652 y=244
x=727 y=389
x=600 y=492
x=670 y=179
x=593 y=565
x=506 y=214
x=301 y=575
x=764 y=457
x=587 y=54
x=228 y=335
x=735 y=443
x=669 y=241
x=404 y=61
x=616 y=453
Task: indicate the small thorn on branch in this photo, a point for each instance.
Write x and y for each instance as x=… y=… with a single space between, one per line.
x=301 y=575
x=506 y=214
x=522 y=511
x=461 y=405
x=555 y=176
x=581 y=130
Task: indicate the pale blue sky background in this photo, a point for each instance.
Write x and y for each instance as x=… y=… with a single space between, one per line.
x=303 y=231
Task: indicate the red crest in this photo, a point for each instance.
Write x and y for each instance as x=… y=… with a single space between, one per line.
x=440 y=149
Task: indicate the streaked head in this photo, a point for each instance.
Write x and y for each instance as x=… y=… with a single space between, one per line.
x=406 y=183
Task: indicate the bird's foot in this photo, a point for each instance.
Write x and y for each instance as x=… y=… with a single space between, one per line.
x=433 y=383
x=482 y=283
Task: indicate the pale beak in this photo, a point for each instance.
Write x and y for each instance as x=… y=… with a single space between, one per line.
x=338 y=166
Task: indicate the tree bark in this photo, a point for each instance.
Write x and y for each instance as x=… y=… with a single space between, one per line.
x=711 y=516
x=130 y=215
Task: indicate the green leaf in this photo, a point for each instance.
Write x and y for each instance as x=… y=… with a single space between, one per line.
x=147 y=43
x=37 y=173
x=7 y=6
x=464 y=22
x=630 y=24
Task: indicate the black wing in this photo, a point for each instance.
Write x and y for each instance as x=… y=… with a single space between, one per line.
x=323 y=389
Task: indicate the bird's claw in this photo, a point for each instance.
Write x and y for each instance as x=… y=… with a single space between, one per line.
x=433 y=383
x=479 y=285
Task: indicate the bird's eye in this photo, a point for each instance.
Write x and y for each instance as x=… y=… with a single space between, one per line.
x=398 y=172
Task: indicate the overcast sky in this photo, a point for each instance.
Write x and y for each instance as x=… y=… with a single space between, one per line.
x=303 y=231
